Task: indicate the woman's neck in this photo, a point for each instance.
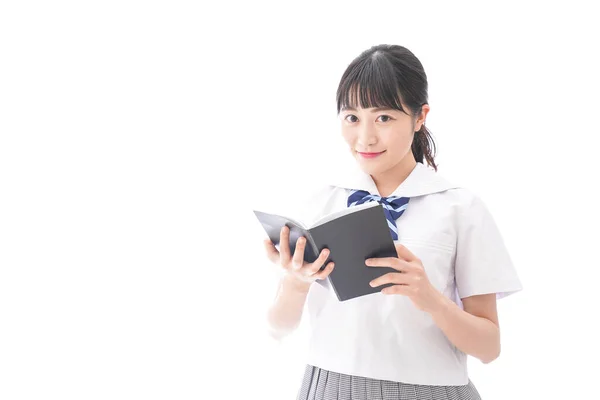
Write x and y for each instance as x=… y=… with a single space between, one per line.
x=388 y=181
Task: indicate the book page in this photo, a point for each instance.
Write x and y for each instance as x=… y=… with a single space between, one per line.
x=267 y=216
x=345 y=211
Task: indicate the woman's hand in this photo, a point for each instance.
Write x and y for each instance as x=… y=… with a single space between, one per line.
x=410 y=280
x=303 y=274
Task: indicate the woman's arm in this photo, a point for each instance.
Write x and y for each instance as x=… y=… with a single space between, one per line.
x=474 y=330
x=286 y=312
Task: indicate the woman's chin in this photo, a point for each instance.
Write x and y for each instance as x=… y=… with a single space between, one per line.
x=370 y=167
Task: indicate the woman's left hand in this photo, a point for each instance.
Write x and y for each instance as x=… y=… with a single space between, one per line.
x=410 y=280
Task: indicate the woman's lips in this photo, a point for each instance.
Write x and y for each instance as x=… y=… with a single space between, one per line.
x=370 y=155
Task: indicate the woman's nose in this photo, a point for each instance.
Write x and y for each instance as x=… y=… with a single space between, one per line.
x=367 y=135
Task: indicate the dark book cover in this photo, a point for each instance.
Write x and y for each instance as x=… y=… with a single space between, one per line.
x=358 y=233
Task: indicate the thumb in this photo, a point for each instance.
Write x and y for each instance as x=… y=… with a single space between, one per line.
x=272 y=252
x=404 y=253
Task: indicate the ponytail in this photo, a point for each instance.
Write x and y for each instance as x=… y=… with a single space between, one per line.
x=423 y=147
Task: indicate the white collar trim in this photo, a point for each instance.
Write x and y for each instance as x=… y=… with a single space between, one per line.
x=421 y=181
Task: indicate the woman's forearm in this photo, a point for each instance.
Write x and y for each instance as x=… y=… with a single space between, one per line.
x=286 y=312
x=476 y=336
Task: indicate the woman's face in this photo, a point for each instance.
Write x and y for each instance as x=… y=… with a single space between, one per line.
x=379 y=139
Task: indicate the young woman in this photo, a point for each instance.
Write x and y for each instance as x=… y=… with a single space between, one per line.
x=410 y=340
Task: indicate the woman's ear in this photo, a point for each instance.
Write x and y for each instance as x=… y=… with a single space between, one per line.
x=421 y=119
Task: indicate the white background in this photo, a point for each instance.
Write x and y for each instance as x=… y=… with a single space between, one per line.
x=136 y=136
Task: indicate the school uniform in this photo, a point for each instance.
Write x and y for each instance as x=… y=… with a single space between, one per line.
x=381 y=346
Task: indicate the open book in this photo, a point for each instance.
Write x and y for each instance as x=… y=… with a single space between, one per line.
x=352 y=235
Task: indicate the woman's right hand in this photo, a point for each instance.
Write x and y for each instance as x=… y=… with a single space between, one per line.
x=294 y=265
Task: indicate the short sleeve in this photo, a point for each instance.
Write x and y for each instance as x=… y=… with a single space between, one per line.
x=483 y=264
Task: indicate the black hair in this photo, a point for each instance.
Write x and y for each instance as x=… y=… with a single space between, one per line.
x=389 y=76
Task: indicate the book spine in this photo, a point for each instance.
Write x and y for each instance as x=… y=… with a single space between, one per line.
x=313 y=246
x=326 y=283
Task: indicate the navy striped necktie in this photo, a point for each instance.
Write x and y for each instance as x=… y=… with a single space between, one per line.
x=393 y=206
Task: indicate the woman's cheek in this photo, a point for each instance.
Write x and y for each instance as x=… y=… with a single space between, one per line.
x=348 y=137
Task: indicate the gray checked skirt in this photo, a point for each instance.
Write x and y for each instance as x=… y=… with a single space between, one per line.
x=320 y=384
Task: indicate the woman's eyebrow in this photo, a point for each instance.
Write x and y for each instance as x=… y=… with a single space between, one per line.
x=382 y=109
x=374 y=110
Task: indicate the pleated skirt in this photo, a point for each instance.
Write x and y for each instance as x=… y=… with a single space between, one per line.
x=320 y=384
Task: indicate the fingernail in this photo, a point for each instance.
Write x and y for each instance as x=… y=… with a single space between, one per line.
x=371 y=284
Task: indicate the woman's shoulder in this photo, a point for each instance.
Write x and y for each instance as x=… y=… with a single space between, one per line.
x=462 y=195
x=318 y=191
x=469 y=207
x=313 y=201
x=464 y=202
x=459 y=193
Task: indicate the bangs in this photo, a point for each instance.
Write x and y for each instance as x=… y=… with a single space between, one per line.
x=371 y=82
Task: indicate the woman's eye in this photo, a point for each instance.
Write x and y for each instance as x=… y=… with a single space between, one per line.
x=387 y=118
x=351 y=116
